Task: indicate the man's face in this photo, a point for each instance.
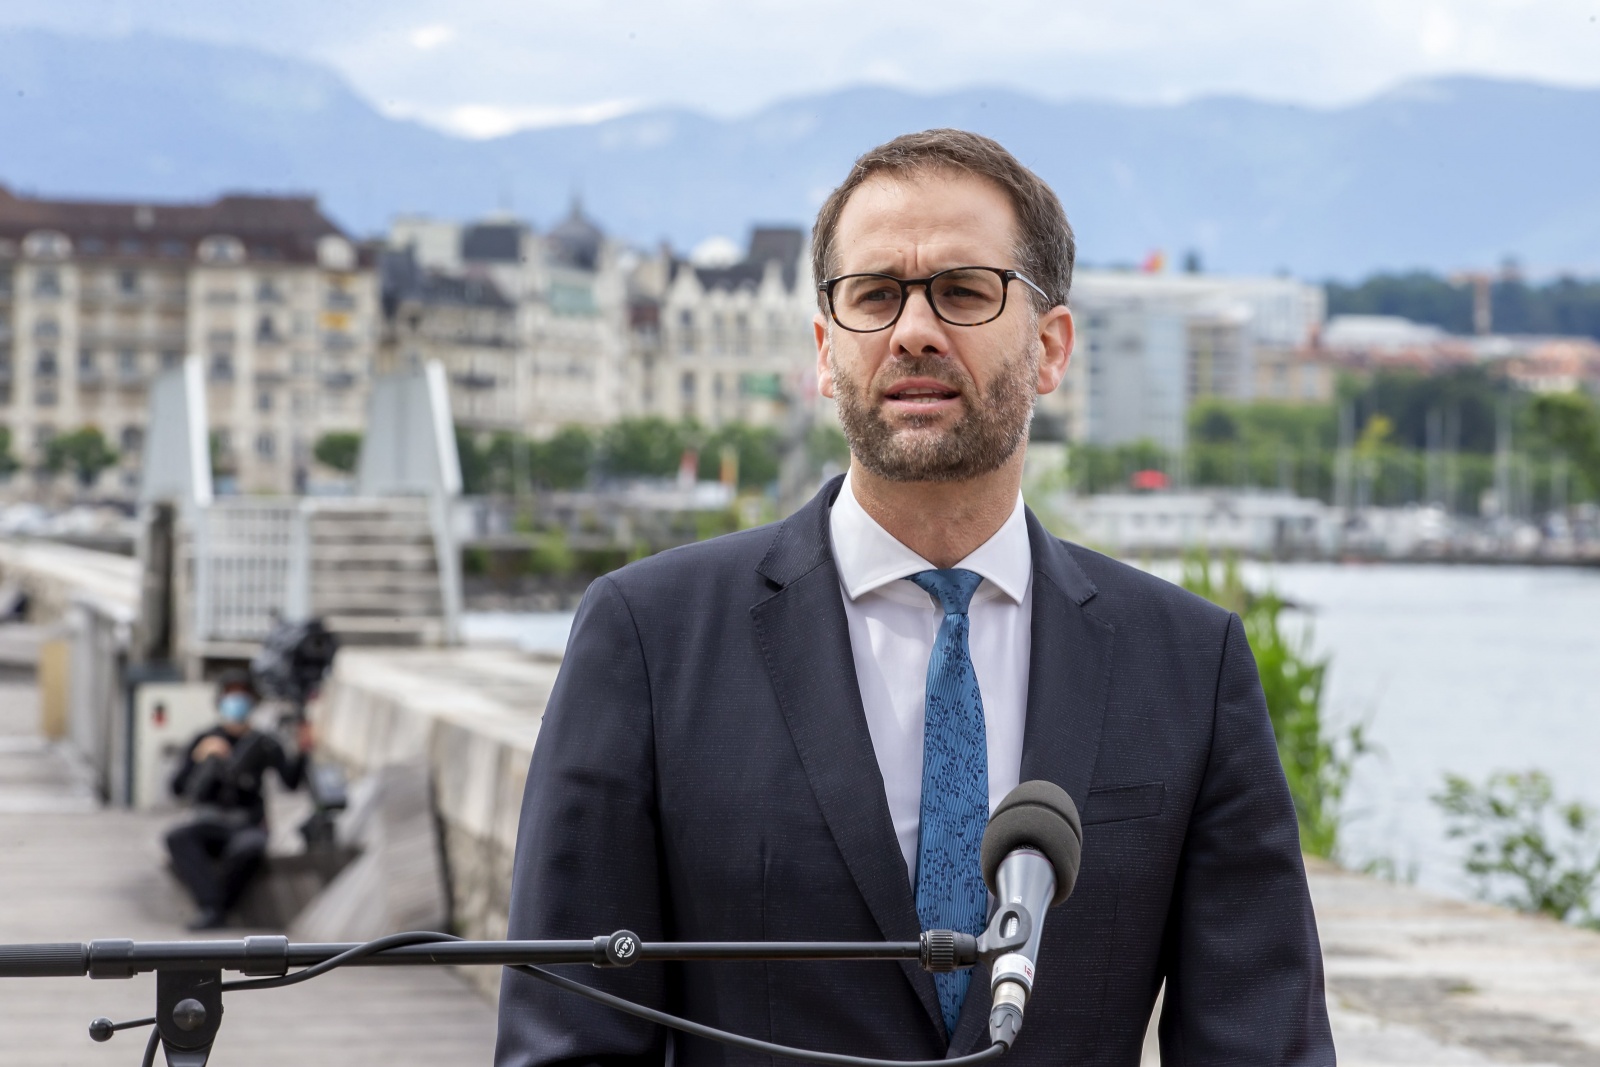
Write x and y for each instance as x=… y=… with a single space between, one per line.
x=925 y=400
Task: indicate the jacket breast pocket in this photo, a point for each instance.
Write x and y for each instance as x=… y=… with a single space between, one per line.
x=1123 y=802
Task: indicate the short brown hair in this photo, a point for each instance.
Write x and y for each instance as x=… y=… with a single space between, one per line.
x=1045 y=245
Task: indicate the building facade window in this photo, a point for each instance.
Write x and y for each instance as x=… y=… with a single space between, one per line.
x=45 y=365
x=266 y=445
x=170 y=358
x=264 y=400
x=132 y=439
x=222 y=367
x=221 y=250
x=47 y=282
x=687 y=386
x=128 y=363
x=128 y=282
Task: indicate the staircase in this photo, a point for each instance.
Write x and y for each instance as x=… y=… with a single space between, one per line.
x=376 y=570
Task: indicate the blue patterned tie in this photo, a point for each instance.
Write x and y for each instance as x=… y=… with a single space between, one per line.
x=955 y=784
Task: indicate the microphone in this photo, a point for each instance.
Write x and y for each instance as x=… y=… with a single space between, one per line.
x=1030 y=857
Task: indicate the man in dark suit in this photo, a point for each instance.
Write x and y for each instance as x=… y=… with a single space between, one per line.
x=797 y=732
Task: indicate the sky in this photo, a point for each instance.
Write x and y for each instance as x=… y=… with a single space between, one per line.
x=485 y=67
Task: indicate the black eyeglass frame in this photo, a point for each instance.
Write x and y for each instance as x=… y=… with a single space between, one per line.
x=1006 y=278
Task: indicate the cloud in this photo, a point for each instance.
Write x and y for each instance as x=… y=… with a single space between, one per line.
x=493 y=65
x=484 y=121
x=427 y=38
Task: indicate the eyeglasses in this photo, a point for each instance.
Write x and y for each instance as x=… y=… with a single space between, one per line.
x=960 y=296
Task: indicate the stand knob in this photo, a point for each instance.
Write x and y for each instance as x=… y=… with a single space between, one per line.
x=189 y=1014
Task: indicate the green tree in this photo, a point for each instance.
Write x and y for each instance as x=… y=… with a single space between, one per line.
x=222 y=461
x=340 y=450
x=8 y=461
x=565 y=460
x=755 y=447
x=826 y=444
x=1571 y=423
x=1102 y=469
x=650 y=447
x=476 y=468
x=1419 y=296
x=550 y=555
x=1566 y=305
x=83 y=452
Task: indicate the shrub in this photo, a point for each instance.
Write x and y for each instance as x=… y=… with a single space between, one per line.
x=1526 y=849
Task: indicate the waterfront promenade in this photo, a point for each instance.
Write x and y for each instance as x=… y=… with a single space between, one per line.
x=1414 y=980
x=74 y=871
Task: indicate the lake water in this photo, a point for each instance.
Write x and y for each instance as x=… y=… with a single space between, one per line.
x=1468 y=670
x=1463 y=669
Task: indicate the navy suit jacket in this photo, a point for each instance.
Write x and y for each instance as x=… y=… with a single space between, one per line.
x=704 y=772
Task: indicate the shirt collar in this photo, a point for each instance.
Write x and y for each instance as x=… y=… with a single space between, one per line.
x=870 y=557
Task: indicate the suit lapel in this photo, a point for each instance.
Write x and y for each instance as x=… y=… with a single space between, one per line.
x=1069 y=677
x=805 y=643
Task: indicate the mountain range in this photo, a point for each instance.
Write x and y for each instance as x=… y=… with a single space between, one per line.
x=1444 y=174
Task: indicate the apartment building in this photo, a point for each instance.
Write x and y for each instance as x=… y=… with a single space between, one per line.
x=1150 y=345
x=531 y=328
x=724 y=342
x=98 y=297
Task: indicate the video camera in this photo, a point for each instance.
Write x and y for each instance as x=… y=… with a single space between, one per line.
x=293 y=662
x=294 y=659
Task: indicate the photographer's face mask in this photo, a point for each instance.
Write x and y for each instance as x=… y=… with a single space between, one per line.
x=235 y=707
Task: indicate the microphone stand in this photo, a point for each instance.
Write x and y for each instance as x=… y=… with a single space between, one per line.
x=189 y=984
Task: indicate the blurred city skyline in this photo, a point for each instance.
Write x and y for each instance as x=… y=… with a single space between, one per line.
x=484 y=68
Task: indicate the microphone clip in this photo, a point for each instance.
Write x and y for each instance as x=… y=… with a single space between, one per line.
x=1009 y=930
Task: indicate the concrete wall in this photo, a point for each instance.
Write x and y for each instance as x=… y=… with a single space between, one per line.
x=472 y=715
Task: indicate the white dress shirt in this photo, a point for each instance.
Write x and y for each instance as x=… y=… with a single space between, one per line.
x=893 y=626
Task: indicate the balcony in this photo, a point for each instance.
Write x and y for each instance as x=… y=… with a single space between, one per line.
x=475 y=382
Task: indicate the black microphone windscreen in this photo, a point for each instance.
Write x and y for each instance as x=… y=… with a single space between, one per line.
x=1038 y=815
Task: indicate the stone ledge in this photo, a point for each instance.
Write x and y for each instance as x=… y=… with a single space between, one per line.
x=471 y=715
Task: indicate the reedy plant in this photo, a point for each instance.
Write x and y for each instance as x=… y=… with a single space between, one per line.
x=1316 y=761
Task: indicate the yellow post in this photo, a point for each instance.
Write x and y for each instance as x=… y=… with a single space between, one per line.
x=55 y=679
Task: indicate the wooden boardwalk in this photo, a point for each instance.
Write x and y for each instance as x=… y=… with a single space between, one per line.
x=70 y=871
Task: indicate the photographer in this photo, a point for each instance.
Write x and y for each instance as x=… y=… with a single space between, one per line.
x=215 y=853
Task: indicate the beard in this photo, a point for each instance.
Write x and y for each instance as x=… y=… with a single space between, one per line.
x=993 y=425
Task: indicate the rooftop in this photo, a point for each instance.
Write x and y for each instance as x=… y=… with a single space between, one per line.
x=284 y=228
x=783 y=244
